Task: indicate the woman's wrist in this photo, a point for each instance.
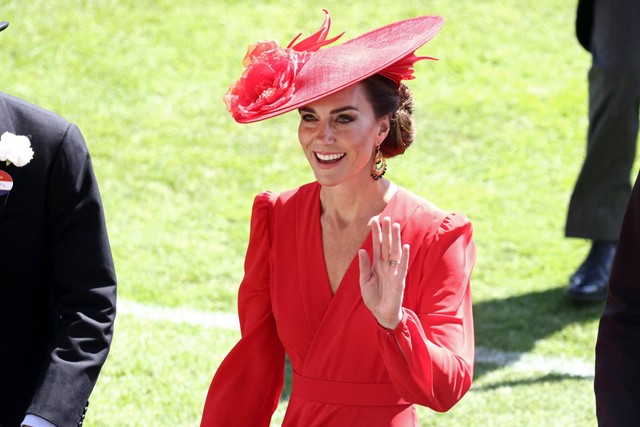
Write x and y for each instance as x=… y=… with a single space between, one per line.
x=390 y=323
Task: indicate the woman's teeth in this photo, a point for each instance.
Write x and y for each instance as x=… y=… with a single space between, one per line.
x=329 y=157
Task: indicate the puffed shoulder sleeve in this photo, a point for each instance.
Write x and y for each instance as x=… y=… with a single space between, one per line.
x=430 y=354
x=253 y=297
x=246 y=387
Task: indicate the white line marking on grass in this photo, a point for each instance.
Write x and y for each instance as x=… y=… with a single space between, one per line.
x=532 y=363
x=179 y=315
x=519 y=361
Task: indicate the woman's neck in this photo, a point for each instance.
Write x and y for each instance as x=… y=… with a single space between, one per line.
x=345 y=205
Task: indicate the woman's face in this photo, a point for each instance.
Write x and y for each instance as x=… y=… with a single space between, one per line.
x=339 y=135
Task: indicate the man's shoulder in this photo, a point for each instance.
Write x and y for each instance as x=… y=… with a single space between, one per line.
x=45 y=129
x=24 y=113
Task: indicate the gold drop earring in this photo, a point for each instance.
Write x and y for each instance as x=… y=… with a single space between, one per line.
x=379 y=165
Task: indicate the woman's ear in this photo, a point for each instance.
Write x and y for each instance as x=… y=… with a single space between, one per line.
x=384 y=125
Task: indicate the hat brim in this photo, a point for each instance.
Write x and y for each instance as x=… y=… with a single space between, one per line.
x=334 y=68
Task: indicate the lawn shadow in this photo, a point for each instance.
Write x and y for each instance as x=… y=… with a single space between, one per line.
x=530 y=380
x=513 y=325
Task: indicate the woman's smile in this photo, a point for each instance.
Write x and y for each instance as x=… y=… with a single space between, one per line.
x=329 y=158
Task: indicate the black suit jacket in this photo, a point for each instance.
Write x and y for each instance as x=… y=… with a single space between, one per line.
x=57 y=279
x=617 y=380
x=584 y=23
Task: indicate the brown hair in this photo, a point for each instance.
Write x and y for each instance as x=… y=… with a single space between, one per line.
x=387 y=98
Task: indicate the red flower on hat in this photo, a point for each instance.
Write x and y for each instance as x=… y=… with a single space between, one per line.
x=268 y=79
x=267 y=82
x=256 y=49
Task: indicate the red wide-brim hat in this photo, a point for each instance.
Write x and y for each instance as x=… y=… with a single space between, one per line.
x=277 y=80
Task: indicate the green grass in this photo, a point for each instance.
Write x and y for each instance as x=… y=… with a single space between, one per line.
x=501 y=121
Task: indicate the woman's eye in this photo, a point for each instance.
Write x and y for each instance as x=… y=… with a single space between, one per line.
x=343 y=118
x=307 y=117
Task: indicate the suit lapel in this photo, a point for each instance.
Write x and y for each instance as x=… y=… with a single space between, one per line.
x=6 y=124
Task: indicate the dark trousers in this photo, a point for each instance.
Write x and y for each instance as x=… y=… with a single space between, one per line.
x=603 y=187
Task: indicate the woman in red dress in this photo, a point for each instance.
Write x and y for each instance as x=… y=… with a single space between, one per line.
x=364 y=285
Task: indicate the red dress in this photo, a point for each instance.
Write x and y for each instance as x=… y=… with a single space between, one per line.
x=347 y=370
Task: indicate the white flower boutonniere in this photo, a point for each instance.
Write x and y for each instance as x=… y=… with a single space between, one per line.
x=15 y=149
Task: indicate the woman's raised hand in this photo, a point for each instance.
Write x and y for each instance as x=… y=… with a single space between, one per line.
x=382 y=279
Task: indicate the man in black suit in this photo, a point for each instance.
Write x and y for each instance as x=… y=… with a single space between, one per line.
x=610 y=31
x=617 y=380
x=57 y=279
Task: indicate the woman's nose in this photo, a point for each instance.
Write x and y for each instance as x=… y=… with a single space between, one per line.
x=324 y=134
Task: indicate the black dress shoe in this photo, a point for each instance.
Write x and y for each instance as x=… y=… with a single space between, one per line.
x=589 y=282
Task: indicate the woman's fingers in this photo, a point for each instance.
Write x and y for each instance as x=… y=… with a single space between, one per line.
x=376 y=238
x=365 y=266
x=403 y=268
x=386 y=240
x=382 y=277
x=390 y=242
x=395 y=245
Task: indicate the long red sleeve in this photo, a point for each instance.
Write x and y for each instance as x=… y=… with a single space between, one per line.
x=429 y=355
x=248 y=383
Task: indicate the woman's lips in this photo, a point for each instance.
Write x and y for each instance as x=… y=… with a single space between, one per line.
x=329 y=158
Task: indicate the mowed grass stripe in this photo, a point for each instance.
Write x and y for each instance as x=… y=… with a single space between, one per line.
x=519 y=361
